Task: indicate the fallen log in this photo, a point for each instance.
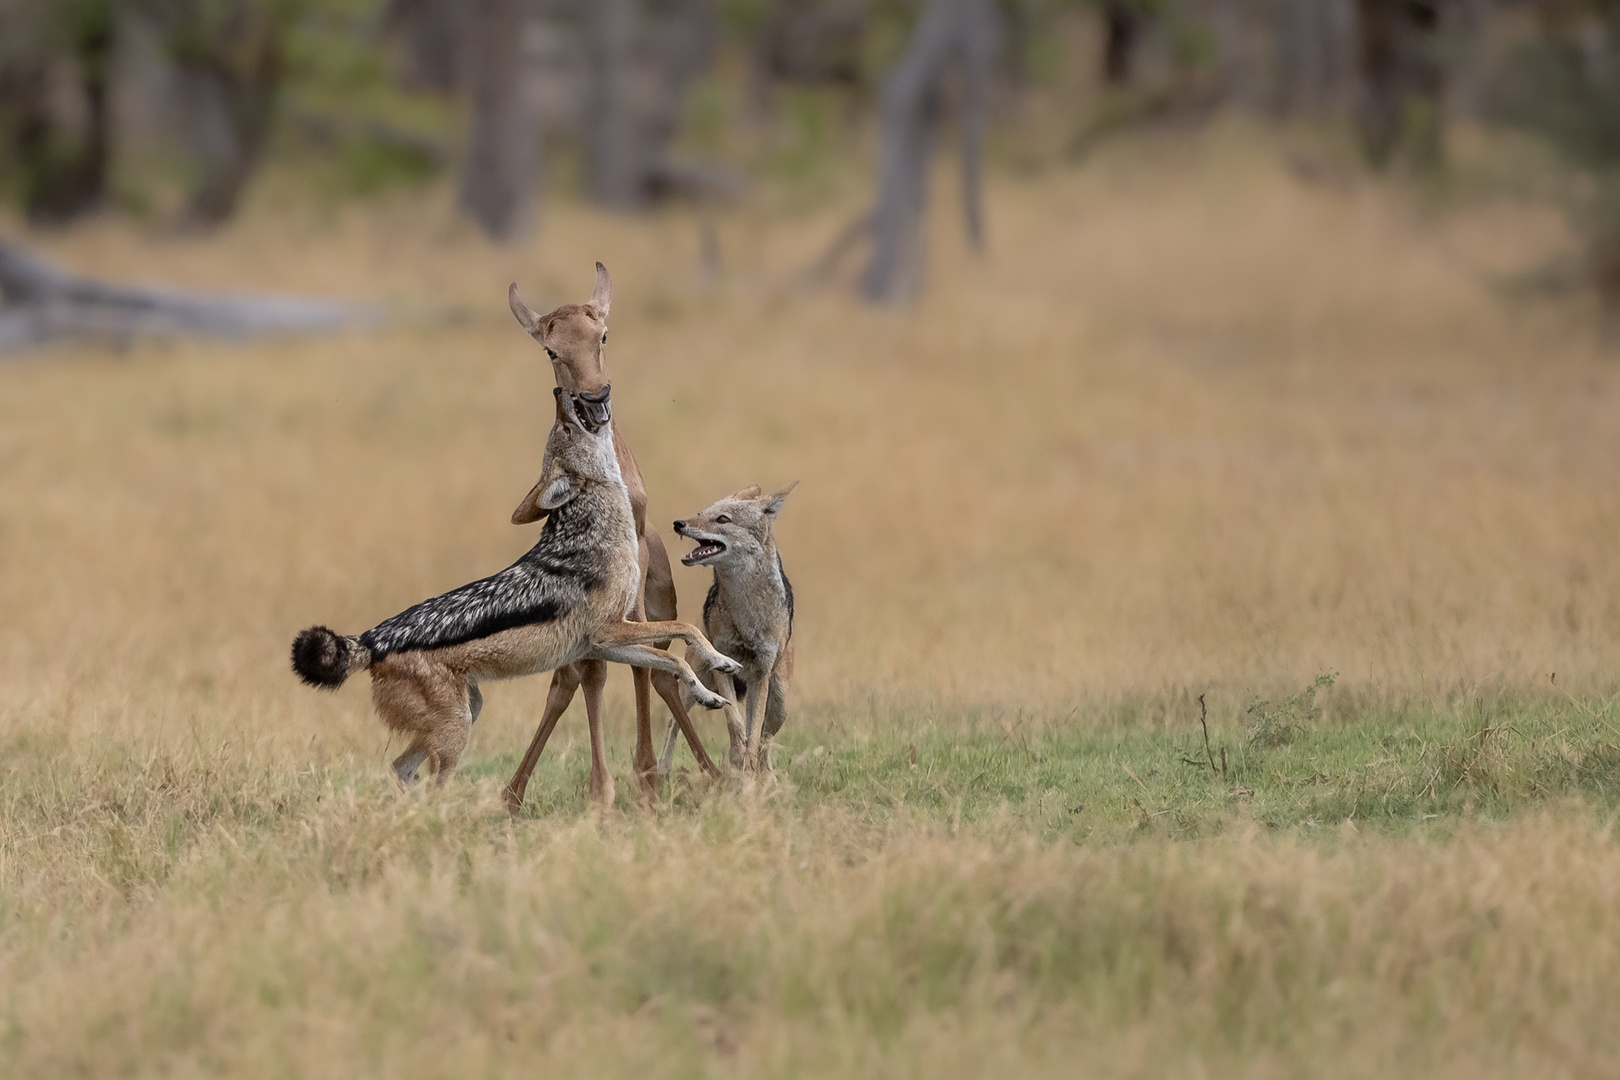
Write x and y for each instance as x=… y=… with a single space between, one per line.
x=41 y=302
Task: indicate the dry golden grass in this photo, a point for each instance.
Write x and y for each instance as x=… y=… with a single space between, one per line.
x=1192 y=425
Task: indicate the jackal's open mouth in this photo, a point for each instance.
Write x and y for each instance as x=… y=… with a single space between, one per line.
x=594 y=409
x=706 y=550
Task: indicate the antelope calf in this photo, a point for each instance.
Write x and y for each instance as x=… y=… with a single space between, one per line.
x=574 y=337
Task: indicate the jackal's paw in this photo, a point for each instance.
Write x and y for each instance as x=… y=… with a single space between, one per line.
x=725 y=665
x=709 y=699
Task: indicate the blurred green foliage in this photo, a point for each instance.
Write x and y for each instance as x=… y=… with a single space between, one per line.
x=1563 y=84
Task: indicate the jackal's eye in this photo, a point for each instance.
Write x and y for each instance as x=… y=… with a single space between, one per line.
x=552 y=353
x=723 y=519
x=604 y=337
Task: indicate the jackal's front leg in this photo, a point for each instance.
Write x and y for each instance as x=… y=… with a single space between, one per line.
x=647 y=657
x=653 y=633
x=735 y=730
x=759 y=693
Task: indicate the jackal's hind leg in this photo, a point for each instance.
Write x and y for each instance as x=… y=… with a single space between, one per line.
x=759 y=693
x=406 y=764
x=775 y=717
x=447 y=742
x=734 y=722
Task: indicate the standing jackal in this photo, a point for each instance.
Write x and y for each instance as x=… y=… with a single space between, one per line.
x=749 y=613
x=565 y=600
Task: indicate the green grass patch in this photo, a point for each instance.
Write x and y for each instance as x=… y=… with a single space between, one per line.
x=1287 y=767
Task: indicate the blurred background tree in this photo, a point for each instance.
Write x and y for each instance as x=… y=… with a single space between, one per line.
x=1563 y=84
x=175 y=108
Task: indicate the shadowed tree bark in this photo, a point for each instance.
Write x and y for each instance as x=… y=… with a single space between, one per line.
x=434 y=36
x=808 y=43
x=502 y=163
x=64 y=172
x=1315 y=42
x=642 y=57
x=1123 y=23
x=231 y=55
x=613 y=170
x=1402 y=78
x=955 y=42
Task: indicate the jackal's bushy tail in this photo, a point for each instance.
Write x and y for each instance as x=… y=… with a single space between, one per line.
x=323 y=658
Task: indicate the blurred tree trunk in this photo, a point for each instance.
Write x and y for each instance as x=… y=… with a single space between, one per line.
x=502 y=163
x=1402 y=79
x=1123 y=23
x=231 y=55
x=642 y=58
x=434 y=34
x=957 y=38
x=614 y=172
x=64 y=171
x=1315 y=42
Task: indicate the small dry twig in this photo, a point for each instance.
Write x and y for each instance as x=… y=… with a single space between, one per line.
x=1203 y=722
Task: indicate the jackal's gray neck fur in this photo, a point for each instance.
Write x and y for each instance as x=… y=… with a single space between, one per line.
x=756 y=589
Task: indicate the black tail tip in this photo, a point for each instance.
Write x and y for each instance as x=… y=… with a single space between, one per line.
x=321 y=658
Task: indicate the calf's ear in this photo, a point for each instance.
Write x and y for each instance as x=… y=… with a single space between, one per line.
x=602 y=295
x=527 y=317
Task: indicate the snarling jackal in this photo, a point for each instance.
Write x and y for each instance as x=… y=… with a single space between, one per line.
x=565 y=600
x=748 y=614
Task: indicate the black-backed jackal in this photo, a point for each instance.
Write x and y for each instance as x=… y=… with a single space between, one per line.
x=748 y=614
x=563 y=601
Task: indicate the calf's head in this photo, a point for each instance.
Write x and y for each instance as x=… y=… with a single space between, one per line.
x=574 y=337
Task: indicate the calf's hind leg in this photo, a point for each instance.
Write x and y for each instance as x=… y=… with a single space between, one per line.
x=601 y=781
x=564 y=681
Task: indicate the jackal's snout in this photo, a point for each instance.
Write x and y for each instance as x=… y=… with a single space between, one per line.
x=595 y=409
x=590 y=412
x=708 y=547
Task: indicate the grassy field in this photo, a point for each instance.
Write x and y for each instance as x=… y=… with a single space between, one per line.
x=1194 y=429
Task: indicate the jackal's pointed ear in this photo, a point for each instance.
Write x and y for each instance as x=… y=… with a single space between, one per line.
x=602 y=295
x=558 y=492
x=749 y=492
x=530 y=509
x=527 y=317
x=774 y=503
